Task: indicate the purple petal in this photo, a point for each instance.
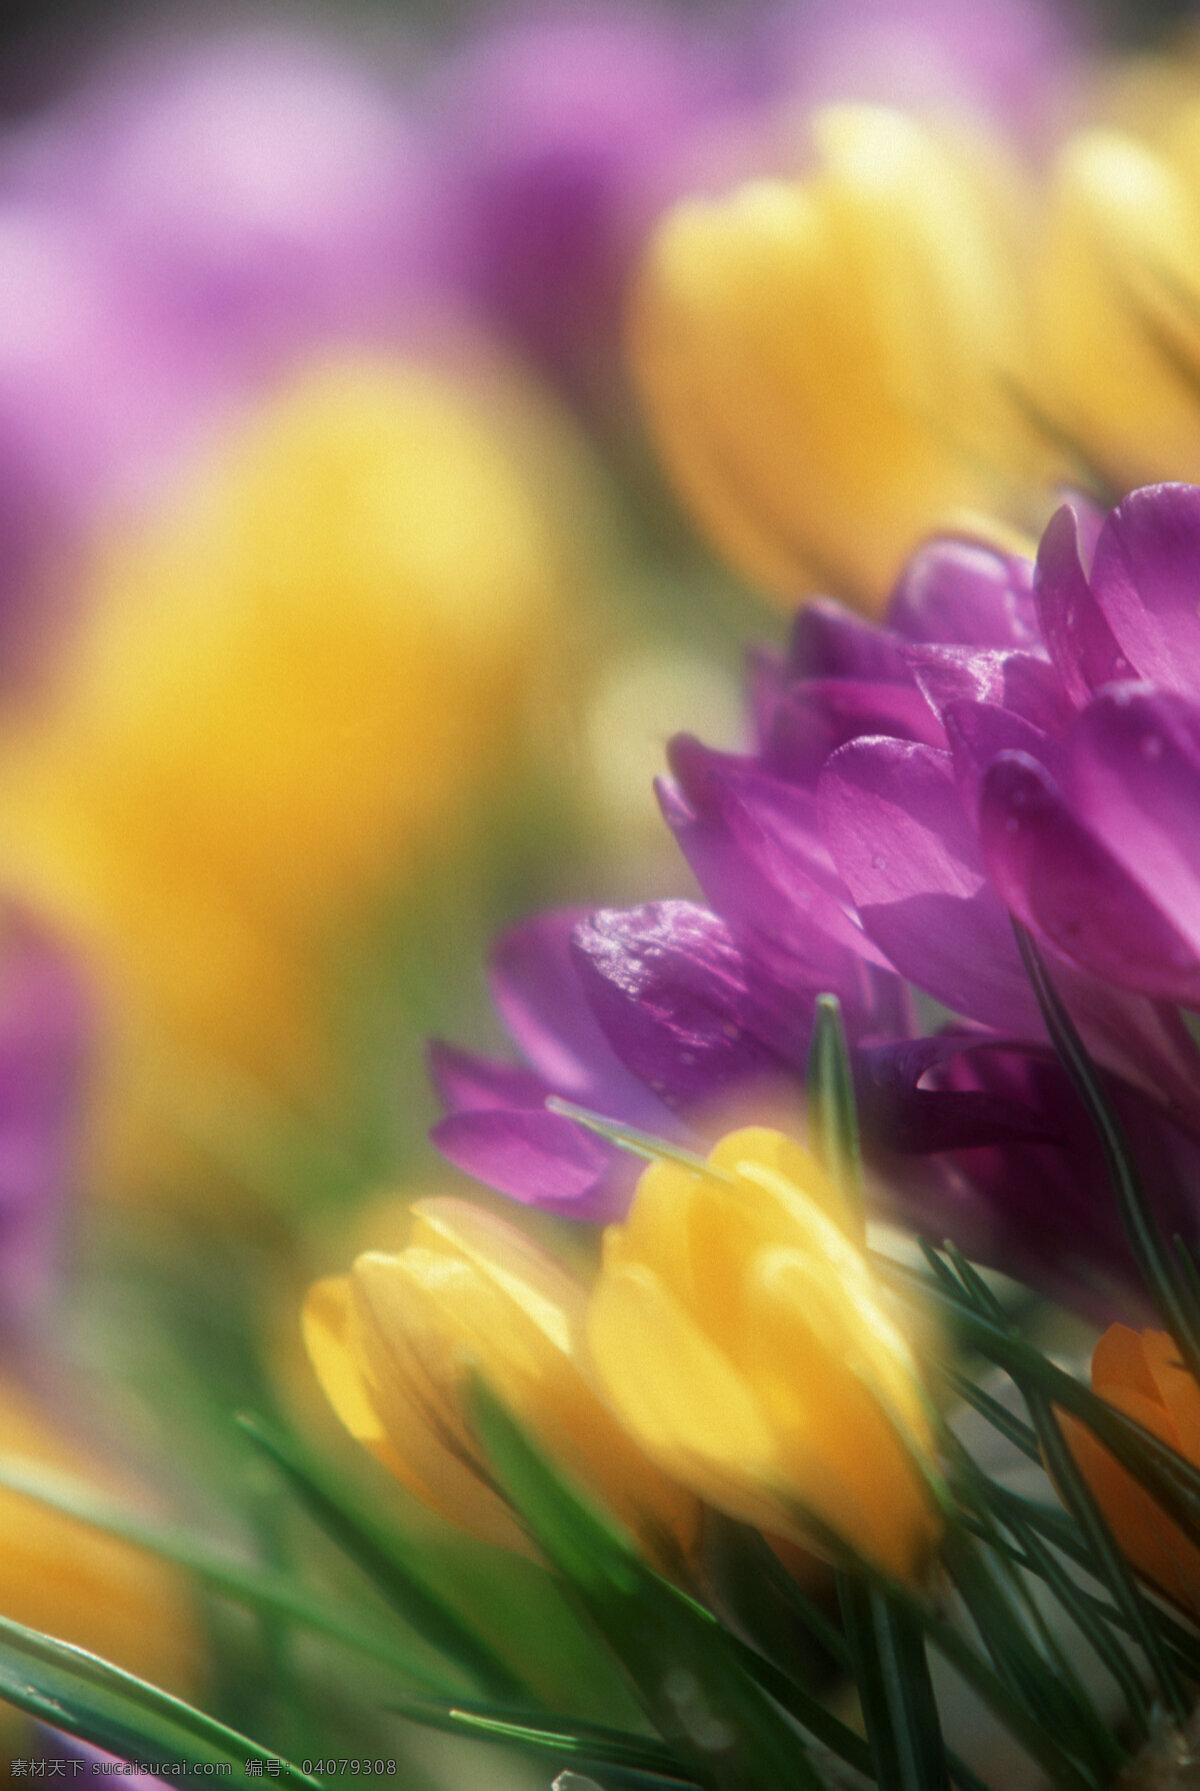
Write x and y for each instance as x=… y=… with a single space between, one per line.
x=960 y=592
x=818 y=716
x=894 y=821
x=829 y=641
x=913 y=1120
x=538 y=1158
x=1020 y=682
x=1080 y=642
x=1135 y=779
x=466 y=1083
x=980 y=732
x=766 y=681
x=689 y=1012
x=1041 y=1211
x=263 y=185
x=754 y=844
x=1145 y=578
x=1090 y=518
x=1062 y=881
x=536 y=987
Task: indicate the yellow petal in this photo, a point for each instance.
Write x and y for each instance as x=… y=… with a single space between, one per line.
x=328 y=1323
x=679 y=1396
x=826 y=365
x=1118 y=328
x=497 y=1251
x=414 y=1371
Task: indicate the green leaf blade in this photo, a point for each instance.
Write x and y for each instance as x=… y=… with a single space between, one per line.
x=111 y=1709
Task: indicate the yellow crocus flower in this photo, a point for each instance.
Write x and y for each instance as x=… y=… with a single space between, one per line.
x=829 y=364
x=299 y=677
x=61 y=1576
x=739 y=1333
x=1119 y=309
x=395 y=1342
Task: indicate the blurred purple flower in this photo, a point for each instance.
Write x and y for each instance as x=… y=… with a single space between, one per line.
x=44 y=1030
x=260 y=188
x=1004 y=60
x=557 y=126
x=1013 y=739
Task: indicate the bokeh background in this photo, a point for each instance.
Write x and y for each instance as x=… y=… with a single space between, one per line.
x=345 y=612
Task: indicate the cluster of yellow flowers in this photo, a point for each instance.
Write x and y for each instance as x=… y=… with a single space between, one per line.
x=913 y=337
x=735 y=1350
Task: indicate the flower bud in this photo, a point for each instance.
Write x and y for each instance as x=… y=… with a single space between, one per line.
x=740 y=1335
x=396 y=1342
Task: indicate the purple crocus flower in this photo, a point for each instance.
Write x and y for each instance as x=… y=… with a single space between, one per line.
x=557 y=127
x=1016 y=738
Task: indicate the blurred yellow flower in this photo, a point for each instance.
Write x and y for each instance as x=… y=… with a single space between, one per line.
x=298 y=680
x=829 y=364
x=395 y=1342
x=72 y=1582
x=1119 y=304
x=738 y=1332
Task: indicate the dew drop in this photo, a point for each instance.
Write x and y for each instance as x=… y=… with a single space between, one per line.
x=1151 y=747
x=879 y=862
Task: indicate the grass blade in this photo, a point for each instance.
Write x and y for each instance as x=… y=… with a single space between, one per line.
x=1086 y=1618
x=1013 y=1429
x=1123 y=1588
x=684 y=1667
x=1172 y=1481
x=258 y=1589
x=1159 y=1270
x=76 y=1691
x=892 y=1676
x=585 y=1744
x=380 y=1556
x=832 y=1113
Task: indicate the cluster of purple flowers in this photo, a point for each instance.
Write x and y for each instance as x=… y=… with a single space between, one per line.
x=1014 y=739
